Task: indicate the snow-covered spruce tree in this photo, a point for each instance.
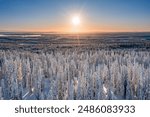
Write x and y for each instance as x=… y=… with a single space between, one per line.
x=20 y=79
x=75 y=74
x=1 y=95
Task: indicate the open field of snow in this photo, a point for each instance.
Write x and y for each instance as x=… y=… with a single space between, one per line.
x=75 y=74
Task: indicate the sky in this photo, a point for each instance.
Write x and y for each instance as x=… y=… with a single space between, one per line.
x=56 y=15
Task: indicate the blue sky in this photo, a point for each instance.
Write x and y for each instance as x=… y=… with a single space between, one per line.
x=54 y=15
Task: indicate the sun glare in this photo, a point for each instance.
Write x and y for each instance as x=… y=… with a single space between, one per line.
x=75 y=20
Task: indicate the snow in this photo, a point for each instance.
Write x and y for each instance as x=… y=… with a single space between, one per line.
x=19 y=35
x=75 y=74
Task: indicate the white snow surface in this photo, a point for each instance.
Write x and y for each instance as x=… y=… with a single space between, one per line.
x=74 y=74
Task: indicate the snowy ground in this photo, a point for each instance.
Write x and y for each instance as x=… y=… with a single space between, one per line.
x=75 y=74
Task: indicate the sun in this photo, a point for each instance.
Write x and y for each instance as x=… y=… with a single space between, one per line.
x=76 y=20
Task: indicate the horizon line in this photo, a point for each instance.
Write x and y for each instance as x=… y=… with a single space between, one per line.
x=74 y=32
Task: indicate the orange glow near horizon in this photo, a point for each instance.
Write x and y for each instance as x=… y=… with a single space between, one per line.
x=73 y=30
x=82 y=27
